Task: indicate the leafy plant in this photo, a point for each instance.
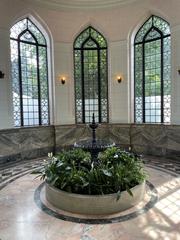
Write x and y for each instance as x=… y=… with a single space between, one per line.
x=74 y=171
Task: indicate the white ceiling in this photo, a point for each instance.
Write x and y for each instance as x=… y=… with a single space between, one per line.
x=81 y=3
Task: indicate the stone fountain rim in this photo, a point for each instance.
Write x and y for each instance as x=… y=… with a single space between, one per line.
x=94 y=204
x=94 y=195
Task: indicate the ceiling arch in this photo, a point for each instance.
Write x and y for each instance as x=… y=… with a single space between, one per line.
x=81 y=3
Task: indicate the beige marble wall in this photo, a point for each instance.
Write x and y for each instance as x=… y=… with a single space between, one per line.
x=159 y=140
x=26 y=143
x=151 y=139
x=68 y=135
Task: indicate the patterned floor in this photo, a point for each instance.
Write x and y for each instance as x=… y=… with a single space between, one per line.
x=26 y=215
x=164 y=163
x=9 y=172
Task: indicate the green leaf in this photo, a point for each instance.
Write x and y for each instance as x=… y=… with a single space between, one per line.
x=54 y=180
x=129 y=191
x=118 y=195
x=59 y=164
x=106 y=172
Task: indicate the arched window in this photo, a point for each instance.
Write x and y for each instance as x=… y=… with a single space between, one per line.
x=90 y=70
x=152 y=62
x=29 y=74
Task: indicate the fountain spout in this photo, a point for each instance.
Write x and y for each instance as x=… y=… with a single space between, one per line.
x=93 y=126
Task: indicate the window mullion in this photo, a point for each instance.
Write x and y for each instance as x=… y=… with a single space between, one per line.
x=162 y=82
x=99 y=85
x=20 y=83
x=39 y=84
x=82 y=79
x=143 y=83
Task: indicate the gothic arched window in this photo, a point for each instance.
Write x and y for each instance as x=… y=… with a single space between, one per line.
x=29 y=74
x=90 y=73
x=152 y=73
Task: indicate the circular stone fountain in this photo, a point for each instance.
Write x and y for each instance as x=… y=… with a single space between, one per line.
x=94 y=204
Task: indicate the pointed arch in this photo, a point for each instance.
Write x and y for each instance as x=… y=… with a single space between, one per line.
x=152 y=72
x=29 y=70
x=91 y=78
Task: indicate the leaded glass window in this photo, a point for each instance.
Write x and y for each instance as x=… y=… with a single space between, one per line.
x=91 y=84
x=29 y=74
x=152 y=74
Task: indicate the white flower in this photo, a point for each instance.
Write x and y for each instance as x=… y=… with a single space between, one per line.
x=116 y=156
x=54 y=158
x=92 y=165
x=50 y=155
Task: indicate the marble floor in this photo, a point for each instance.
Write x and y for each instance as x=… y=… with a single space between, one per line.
x=26 y=215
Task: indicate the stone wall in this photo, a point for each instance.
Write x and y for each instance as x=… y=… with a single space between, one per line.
x=26 y=143
x=33 y=142
x=149 y=139
x=158 y=140
x=67 y=135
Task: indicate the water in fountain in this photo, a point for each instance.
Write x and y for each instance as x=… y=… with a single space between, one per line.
x=94 y=146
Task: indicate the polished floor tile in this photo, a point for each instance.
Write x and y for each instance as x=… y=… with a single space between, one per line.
x=22 y=219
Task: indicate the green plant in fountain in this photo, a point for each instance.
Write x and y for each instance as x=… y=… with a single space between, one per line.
x=113 y=172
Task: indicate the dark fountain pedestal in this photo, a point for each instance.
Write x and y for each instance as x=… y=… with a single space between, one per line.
x=94 y=146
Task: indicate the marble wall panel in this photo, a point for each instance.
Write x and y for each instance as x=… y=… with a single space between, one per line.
x=35 y=138
x=161 y=140
x=9 y=142
x=149 y=139
x=173 y=137
x=68 y=135
x=120 y=133
x=41 y=140
x=26 y=143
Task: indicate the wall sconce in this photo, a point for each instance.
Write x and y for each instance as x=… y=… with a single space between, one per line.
x=1 y=74
x=63 y=80
x=119 y=79
x=178 y=70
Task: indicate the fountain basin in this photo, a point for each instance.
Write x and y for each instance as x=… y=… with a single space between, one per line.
x=94 y=147
x=99 y=144
x=94 y=204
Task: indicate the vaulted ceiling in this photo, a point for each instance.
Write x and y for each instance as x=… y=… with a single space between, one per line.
x=81 y=3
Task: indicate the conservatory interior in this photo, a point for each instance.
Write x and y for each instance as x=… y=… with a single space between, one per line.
x=89 y=120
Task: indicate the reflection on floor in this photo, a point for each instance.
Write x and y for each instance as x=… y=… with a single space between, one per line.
x=21 y=218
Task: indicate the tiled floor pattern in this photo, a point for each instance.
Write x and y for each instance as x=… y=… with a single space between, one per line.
x=168 y=164
x=12 y=171
x=22 y=219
